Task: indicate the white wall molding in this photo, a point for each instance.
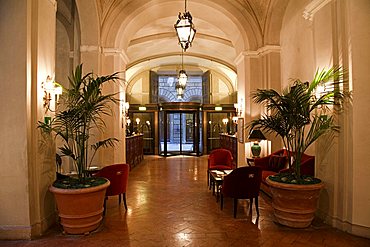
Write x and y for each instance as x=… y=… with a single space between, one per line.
x=258 y=53
x=110 y=51
x=313 y=7
x=345 y=225
x=12 y=232
x=90 y=48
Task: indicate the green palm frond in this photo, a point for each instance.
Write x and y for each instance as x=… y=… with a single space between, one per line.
x=85 y=109
x=297 y=115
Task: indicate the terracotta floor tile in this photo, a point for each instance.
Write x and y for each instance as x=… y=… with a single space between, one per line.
x=169 y=204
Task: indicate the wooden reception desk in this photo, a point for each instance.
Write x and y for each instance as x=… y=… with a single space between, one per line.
x=134 y=149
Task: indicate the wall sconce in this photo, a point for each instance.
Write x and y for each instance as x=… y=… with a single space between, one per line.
x=125 y=106
x=238 y=109
x=137 y=121
x=225 y=121
x=52 y=90
x=142 y=108
x=218 y=108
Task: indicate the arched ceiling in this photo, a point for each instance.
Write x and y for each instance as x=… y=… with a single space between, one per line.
x=143 y=29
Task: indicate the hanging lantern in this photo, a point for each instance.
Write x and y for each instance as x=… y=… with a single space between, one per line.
x=185 y=29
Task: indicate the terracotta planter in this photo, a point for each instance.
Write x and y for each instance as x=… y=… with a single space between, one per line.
x=294 y=205
x=80 y=210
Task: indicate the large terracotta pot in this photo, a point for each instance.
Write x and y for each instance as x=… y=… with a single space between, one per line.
x=80 y=210
x=294 y=205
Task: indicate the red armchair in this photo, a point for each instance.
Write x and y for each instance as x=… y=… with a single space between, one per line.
x=219 y=159
x=242 y=183
x=118 y=176
x=278 y=162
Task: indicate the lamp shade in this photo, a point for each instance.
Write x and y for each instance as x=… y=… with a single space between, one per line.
x=256 y=135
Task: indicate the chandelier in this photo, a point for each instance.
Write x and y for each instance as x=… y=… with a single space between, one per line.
x=181 y=79
x=185 y=29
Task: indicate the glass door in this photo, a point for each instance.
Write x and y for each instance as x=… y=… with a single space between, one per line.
x=178 y=134
x=215 y=128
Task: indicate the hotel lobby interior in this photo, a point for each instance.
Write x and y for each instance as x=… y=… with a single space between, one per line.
x=236 y=47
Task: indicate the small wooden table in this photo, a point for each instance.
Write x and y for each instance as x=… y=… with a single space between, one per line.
x=216 y=180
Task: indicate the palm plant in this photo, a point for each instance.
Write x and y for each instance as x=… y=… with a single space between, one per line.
x=84 y=108
x=301 y=114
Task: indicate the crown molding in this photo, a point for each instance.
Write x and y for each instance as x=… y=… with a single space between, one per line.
x=313 y=7
x=111 y=51
x=90 y=48
x=258 y=53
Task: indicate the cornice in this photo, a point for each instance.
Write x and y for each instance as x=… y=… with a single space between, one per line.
x=258 y=53
x=90 y=48
x=111 y=51
x=313 y=7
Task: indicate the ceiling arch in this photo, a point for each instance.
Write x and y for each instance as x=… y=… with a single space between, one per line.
x=223 y=29
x=143 y=29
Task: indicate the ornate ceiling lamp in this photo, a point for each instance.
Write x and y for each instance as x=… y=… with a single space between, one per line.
x=182 y=79
x=185 y=29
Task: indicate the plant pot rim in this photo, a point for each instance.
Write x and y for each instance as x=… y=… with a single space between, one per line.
x=79 y=191
x=294 y=186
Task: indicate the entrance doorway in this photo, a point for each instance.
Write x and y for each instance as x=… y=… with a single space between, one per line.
x=180 y=129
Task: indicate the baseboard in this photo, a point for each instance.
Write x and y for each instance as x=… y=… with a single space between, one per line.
x=358 y=230
x=17 y=232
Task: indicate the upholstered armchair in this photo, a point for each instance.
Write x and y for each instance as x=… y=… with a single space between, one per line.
x=242 y=183
x=118 y=176
x=278 y=162
x=219 y=159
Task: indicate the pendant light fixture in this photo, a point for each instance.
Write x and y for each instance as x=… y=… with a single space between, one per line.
x=182 y=79
x=185 y=29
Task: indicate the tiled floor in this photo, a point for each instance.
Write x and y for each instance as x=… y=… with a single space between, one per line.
x=169 y=205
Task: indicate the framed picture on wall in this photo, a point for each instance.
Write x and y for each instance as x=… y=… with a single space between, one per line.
x=241 y=130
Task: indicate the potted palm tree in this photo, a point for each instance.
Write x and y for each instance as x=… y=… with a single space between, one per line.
x=300 y=115
x=80 y=199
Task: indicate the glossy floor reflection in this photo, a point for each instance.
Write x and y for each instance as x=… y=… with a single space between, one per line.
x=169 y=204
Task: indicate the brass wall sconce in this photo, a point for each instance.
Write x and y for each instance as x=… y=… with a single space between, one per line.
x=239 y=109
x=52 y=91
x=125 y=106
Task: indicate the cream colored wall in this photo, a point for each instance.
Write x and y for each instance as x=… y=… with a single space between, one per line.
x=115 y=125
x=337 y=34
x=222 y=91
x=13 y=169
x=258 y=69
x=138 y=89
x=359 y=60
x=27 y=36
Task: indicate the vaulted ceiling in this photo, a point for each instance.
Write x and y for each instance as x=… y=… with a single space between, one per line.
x=144 y=29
